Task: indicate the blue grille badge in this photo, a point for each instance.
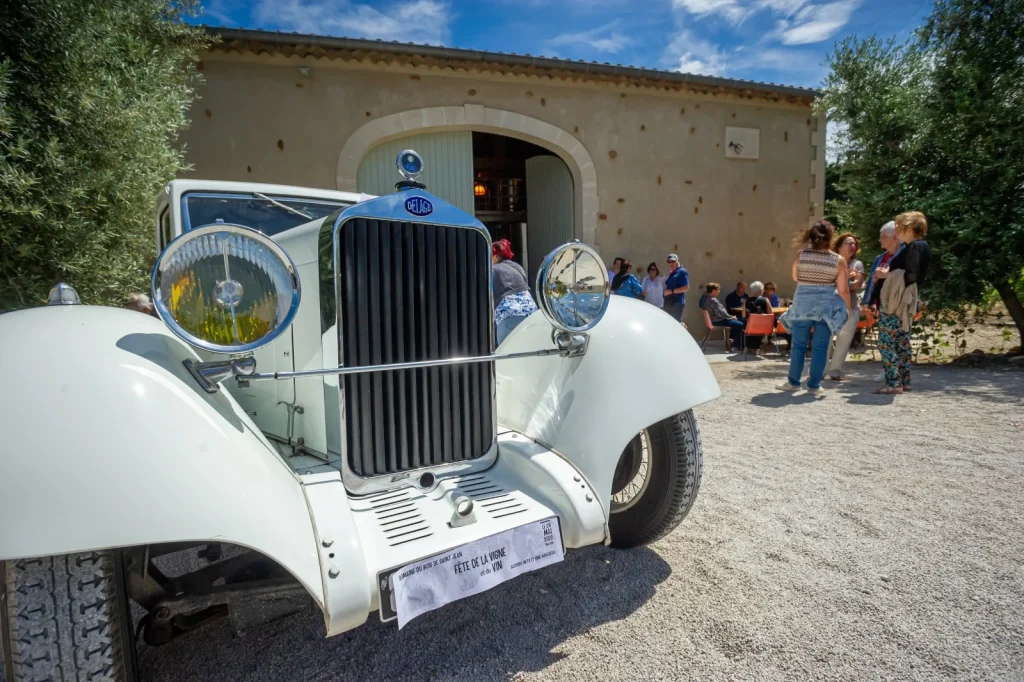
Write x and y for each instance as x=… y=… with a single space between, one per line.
x=419 y=206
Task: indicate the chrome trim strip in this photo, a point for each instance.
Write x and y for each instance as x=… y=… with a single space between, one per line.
x=408 y=365
x=391 y=207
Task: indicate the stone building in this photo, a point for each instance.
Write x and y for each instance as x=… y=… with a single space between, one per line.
x=637 y=162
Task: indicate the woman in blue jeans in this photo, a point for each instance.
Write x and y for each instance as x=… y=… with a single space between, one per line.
x=821 y=304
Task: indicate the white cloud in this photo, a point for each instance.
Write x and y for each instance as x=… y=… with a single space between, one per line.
x=690 y=54
x=219 y=12
x=733 y=10
x=814 y=23
x=602 y=39
x=783 y=7
x=736 y=11
x=417 y=21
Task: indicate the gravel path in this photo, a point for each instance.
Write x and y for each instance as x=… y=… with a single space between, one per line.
x=819 y=547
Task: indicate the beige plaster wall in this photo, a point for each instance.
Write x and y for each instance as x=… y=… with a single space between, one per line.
x=663 y=181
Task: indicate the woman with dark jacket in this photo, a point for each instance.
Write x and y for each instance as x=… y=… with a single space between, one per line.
x=625 y=282
x=512 y=300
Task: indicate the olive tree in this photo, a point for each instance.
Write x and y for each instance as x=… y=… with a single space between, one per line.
x=92 y=96
x=937 y=125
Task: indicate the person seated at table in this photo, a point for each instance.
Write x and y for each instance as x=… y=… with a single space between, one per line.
x=735 y=300
x=757 y=304
x=769 y=291
x=720 y=317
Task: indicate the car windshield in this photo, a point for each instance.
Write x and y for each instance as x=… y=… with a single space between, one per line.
x=269 y=214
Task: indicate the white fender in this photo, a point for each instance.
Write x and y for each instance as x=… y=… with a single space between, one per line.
x=107 y=441
x=640 y=367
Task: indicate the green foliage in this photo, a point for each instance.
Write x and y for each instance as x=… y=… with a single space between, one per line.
x=92 y=96
x=937 y=125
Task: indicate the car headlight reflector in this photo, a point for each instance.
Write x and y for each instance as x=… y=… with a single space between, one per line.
x=225 y=288
x=573 y=287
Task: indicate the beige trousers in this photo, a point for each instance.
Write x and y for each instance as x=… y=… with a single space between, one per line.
x=841 y=345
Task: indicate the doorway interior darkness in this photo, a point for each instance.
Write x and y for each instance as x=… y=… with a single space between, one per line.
x=499 y=188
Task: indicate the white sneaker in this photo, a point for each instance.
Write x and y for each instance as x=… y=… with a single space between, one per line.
x=818 y=392
x=786 y=386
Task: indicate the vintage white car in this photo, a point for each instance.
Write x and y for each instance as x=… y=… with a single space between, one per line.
x=320 y=412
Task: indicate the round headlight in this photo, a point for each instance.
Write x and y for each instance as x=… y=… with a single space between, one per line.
x=225 y=288
x=572 y=287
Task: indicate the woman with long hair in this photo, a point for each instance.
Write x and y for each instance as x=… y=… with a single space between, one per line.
x=896 y=291
x=625 y=282
x=821 y=304
x=512 y=300
x=847 y=245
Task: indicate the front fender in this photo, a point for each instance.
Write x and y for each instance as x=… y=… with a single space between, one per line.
x=109 y=442
x=641 y=366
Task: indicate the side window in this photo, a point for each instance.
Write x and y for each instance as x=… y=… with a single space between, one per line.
x=165 y=229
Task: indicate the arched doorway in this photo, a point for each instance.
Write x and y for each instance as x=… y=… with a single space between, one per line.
x=477 y=118
x=520 y=191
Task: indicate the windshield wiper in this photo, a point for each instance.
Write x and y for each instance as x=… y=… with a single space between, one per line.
x=275 y=202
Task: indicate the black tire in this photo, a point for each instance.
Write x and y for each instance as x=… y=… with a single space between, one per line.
x=66 y=618
x=675 y=464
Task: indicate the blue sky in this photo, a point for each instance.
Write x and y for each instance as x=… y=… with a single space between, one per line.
x=776 y=41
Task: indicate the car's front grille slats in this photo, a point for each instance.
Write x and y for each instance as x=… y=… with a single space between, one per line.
x=410 y=292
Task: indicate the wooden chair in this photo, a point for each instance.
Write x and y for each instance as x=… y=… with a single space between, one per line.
x=760 y=325
x=711 y=329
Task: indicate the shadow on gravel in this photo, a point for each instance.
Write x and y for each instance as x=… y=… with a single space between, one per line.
x=777 y=399
x=740 y=357
x=992 y=384
x=513 y=628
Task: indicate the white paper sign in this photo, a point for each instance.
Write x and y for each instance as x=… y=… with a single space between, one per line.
x=429 y=584
x=742 y=143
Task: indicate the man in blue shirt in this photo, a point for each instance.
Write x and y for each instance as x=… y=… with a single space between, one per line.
x=676 y=286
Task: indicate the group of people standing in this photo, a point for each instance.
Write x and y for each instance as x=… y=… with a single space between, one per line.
x=667 y=292
x=826 y=303
x=831 y=288
x=513 y=302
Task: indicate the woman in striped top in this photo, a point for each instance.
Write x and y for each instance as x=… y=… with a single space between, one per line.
x=820 y=305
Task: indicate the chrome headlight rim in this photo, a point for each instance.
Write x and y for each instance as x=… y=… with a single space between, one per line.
x=232 y=228
x=545 y=304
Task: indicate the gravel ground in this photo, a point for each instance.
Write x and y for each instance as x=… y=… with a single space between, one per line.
x=850 y=538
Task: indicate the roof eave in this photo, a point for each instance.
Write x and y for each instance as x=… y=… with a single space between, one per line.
x=276 y=39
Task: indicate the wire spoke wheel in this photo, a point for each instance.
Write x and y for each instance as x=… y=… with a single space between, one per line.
x=633 y=473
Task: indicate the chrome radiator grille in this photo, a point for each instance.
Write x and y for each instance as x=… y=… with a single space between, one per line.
x=409 y=292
